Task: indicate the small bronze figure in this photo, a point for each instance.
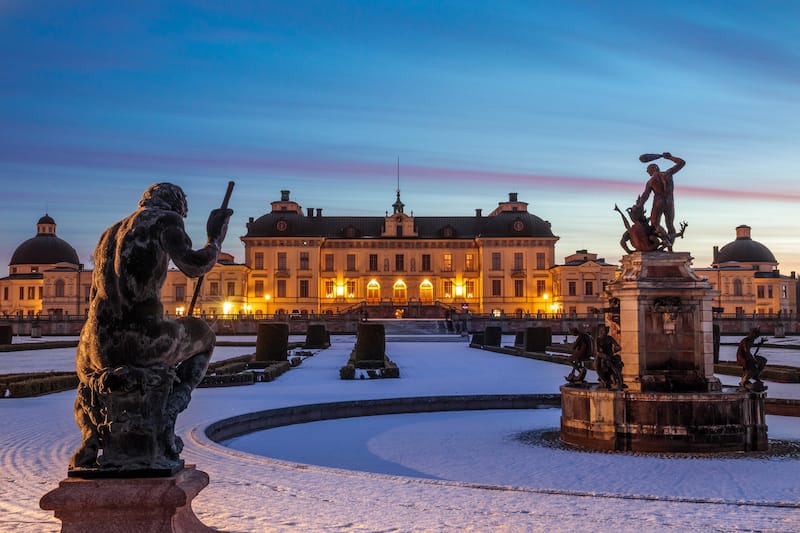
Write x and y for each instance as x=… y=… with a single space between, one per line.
x=582 y=350
x=137 y=369
x=608 y=364
x=752 y=364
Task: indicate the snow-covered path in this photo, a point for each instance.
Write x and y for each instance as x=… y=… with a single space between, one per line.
x=513 y=487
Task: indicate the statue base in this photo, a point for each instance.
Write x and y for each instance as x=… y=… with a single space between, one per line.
x=130 y=505
x=672 y=422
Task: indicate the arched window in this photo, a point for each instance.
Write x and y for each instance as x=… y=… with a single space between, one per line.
x=399 y=295
x=60 y=288
x=426 y=292
x=373 y=292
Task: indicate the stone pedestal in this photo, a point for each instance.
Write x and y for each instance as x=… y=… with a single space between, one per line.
x=691 y=422
x=272 y=341
x=132 y=505
x=665 y=324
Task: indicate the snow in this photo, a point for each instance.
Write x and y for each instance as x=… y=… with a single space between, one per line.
x=455 y=471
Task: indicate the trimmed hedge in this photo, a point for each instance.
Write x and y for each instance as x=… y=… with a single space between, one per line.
x=27 y=385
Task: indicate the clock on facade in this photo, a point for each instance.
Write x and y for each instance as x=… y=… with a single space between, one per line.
x=518 y=225
x=281 y=225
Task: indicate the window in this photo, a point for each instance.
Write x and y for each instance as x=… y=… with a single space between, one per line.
x=386 y=264
x=737 y=287
x=399 y=292
x=540 y=261
x=59 y=288
x=426 y=262
x=448 y=289
x=572 y=288
x=281 y=288
x=351 y=262
x=447 y=262
x=31 y=293
x=399 y=230
x=351 y=289
x=469 y=262
x=5 y=293
x=304 y=261
x=22 y=293
x=282 y=261
x=373 y=262
x=496 y=287
x=34 y=269
x=258 y=260
x=760 y=291
x=413 y=264
x=518 y=261
x=258 y=290
x=328 y=262
x=426 y=292
x=496 y=262
x=769 y=291
x=399 y=263
x=231 y=288
x=519 y=288
x=541 y=286
x=40 y=291
x=328 y=289
x=469 y=288
x=373 y=292
x=303 y=288
x=588 y=288
x=87 y=291
x=180 y=293
x=784 y=293
x=213 y=288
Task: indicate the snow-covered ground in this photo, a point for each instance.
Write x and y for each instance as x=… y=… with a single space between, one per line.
x=441 y=471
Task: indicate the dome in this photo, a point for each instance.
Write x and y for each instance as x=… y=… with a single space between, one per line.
x=45 y=248
x=744 y=250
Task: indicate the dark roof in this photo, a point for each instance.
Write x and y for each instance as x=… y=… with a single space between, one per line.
x=46 y=219
x=458 y=227
x=44 y=249
x=28 y=275
x=744 y=250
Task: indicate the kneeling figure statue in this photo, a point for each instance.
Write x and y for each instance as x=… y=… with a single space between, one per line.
x=137 y=369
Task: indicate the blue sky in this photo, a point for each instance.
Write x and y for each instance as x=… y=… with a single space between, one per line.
x=553 y=100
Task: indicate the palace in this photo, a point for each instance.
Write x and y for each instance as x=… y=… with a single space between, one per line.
x=300 y=263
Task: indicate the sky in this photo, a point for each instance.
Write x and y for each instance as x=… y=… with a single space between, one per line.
x=552 y=100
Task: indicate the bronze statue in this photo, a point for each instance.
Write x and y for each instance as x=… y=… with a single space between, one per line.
x=752 y=364
x=582 y=351
x=607 y=363
x=137 y=369
x=646 y=234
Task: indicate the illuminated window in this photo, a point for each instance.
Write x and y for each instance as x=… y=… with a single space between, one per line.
x=373 y=292
x=426 y=292
x=448 y=289
x=469 y=288
x=351 y=288
x=447 y=262
x=329 y=289
x=399 y=291
x=540 y=287
x=469 y=262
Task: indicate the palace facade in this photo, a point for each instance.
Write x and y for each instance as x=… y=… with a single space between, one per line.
x=300 y=263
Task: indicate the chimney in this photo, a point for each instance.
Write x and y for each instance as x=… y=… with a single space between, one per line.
x=714 y=255
x=319 y=212
x=284 y=196
x=310 y=212
x=478 y=213
x=512 y=197
x=742 y=232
